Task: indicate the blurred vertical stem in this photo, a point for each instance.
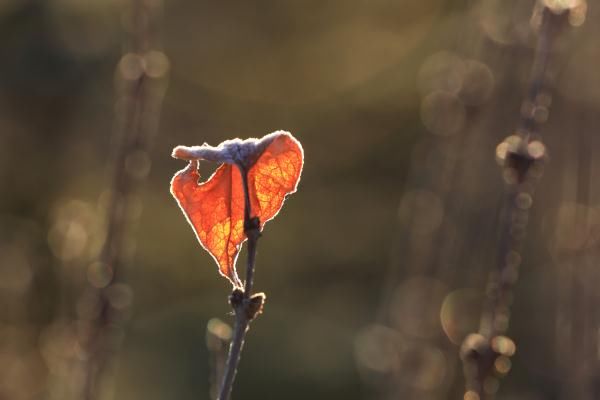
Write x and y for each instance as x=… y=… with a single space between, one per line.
x=245 y=305
x=218 y=338
x=486 y=354
x=141 y=77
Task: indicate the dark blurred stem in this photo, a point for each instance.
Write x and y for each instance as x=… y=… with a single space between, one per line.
x=242 y=302
x=122 y=187
x=252 y=231
x=136 y=121
x=536 y=85
x=540 y=65
x=479 y=355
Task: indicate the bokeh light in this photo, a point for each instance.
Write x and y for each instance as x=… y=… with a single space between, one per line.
x=460 y=313
x=443 y=113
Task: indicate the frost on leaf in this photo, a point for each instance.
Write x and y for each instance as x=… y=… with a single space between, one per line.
x=215 y=208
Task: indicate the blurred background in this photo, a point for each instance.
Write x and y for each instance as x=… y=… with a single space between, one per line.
x=375 y=270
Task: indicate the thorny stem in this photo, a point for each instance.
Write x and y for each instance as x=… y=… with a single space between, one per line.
x=245 y=305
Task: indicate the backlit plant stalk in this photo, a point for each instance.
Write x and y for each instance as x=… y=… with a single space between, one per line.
x=141 y=77
x=486 y=354
x=245 y=305
x=232 y=206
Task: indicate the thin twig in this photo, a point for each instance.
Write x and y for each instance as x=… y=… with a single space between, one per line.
x=237 y=342
x=141 y=95
x=485 y=354
x=245 y=305
x=540 y=66
x=252 y=230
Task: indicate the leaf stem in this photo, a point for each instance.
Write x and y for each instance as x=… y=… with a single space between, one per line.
x=252 y=231
x=245 y=305
x=253 y=235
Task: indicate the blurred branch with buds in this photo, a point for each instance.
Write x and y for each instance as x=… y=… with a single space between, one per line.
x=486 y=354
x=141 y=82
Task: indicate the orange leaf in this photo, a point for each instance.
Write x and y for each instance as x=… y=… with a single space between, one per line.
x=215 y=208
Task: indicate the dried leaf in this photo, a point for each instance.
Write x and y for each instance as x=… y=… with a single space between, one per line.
x=215 y=208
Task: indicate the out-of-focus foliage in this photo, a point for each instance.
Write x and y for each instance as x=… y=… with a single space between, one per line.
x=378 y=267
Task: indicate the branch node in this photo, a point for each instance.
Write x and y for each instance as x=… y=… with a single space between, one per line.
x=236 y=299
x=252 y=228
x=250 y=307
x=254 y=305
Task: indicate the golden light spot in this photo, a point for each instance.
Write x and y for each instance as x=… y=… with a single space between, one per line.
x=503 y=345
x=501 y=151
x=578 y=14
x=219 y=329
x=559 y=6
x=509 y=144
x=536 y=149
x=502 y=365
x=471 y=395
x=156 y=64
x=131 y=66
x=460 y=313
x=69 y=235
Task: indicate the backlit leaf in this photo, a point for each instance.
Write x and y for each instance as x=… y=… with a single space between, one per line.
x=215 y=208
